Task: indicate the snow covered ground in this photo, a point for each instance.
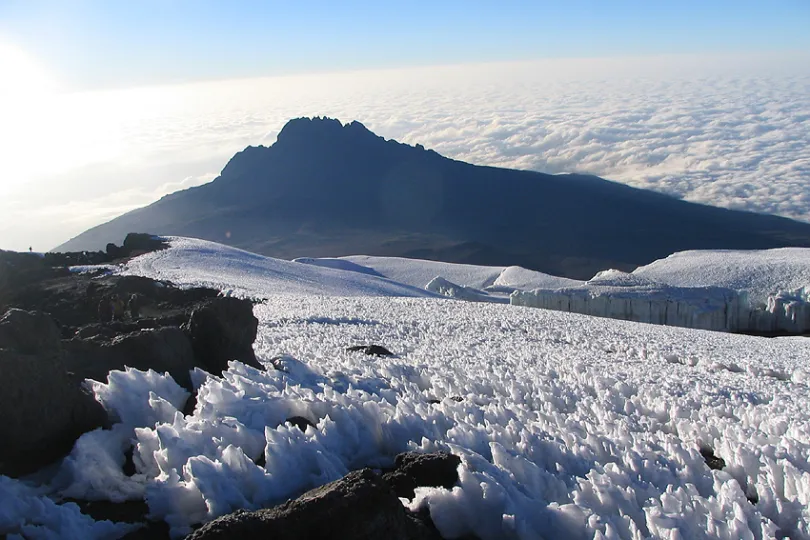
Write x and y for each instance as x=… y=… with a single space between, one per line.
x=760 y=274
x=568 y=426
x=419 y=272
x=199 y=263
x=765 y=291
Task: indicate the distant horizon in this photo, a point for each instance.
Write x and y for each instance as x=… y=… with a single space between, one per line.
x=698 y=127
x=93 y=44
x=108 y=106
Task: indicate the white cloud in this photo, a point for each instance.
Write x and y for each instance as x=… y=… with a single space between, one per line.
x=729 y=131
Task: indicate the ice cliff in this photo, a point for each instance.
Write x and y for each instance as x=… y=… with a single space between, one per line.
x=631 y=297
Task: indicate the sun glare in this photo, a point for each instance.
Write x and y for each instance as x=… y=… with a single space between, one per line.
x=20 y=74
x=25 y=90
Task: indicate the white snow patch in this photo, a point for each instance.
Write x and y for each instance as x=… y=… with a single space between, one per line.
x=199 y=263
x=758 y=273
x=439 y=285
x=420 y=272
x=567 y=426
x=26 y=513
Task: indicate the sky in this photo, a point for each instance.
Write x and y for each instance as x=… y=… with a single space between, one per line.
x=107 y=43
x=107 y=105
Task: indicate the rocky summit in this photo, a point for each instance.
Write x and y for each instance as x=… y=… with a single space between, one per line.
x=336 y=189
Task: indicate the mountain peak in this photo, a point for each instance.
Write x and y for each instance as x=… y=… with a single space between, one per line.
x=322 y=129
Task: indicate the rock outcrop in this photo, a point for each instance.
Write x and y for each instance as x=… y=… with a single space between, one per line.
x=43 y=407
x=29 y=332
x=166 y=349
x=52 y=339
x=360 y=505
x=412 y=470
x=370 y=350
x=221 y=330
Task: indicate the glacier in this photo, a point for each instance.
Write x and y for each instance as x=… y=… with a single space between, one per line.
x=442 y=286
x=759 y=291
x=632 y=297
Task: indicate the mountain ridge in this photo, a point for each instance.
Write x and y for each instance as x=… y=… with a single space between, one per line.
x=330 y=189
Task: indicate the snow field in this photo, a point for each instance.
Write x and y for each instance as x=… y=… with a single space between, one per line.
x=758 y=273
x=755 y=291
x=567 y=426
x=420 y=272
x=199 y=263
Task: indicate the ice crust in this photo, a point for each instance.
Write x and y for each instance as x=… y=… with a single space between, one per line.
x=25 y=512
x=567 y=426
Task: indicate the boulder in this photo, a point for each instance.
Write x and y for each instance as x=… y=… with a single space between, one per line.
x=43 y=408
x=360 y=506
x=113 y=251
x=166 y=349
x=371 y=350
x=29 y=332
x=412 y=470
x=221 y=330
x=140 y=243
x=712 y=461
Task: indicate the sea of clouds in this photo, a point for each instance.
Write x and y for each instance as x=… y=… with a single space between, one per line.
x=728 y=131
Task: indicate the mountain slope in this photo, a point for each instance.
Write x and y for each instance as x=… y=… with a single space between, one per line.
x=325 y=189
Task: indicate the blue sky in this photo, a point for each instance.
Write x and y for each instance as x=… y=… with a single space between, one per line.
x=108 y=43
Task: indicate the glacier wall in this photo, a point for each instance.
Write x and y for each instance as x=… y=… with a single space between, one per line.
x=707 y=308
x=440 y=285
x=787 y=311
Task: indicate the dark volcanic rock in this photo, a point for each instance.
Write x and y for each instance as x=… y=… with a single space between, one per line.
x=18 y=270
x=300 y=422
x=51 y=339
x=126 y=512
x=29 y=332
x=412 y=470
x=371 y=350
x=161 y=349
x=221 y=330
x=113 y=251
x=43 y=408
x=359 y=506
x=139 y=243
x=135 y=244
x=714 y=462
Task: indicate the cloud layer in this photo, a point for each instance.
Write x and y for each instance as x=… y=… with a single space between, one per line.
x=731 y=132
